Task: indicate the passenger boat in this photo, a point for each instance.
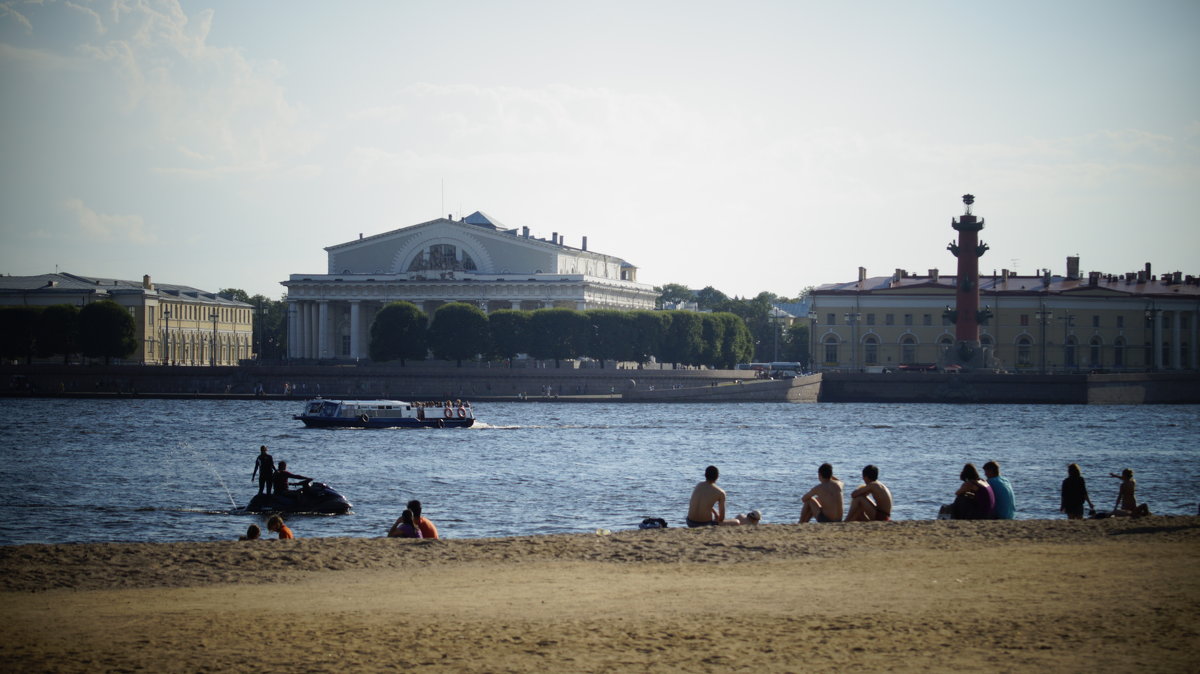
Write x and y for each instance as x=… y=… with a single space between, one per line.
x=322 y=413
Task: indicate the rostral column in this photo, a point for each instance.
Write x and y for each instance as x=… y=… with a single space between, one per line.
x=966 y=314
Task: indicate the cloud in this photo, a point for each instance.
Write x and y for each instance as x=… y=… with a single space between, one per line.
x=8 y=11
x=129 y=228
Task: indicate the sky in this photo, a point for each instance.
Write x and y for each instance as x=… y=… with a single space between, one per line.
x=756 y=146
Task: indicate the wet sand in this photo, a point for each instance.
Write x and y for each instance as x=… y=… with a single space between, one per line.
x=1109 y=595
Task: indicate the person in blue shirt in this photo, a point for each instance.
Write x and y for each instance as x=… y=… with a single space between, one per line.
x=1006 y=507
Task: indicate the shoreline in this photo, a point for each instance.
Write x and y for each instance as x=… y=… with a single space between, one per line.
x=1082 y=595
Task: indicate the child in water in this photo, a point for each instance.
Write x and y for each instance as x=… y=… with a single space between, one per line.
x=252 y=533
x=275 y=523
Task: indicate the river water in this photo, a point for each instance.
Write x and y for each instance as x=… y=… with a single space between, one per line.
x=164 y=470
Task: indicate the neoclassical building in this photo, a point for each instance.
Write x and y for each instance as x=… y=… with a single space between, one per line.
x=175 y=324
x=1136 y=321
x=475 y=260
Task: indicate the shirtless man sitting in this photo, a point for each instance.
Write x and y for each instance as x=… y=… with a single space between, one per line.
x=707 y=507
x=824 y=501
x=871 y=502
x=1127 y=505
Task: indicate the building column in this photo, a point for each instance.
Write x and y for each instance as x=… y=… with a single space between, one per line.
x=355 y=329
x=292 y=333
x=323 y=329
x=312 y=330
x=306 y=327
x=1156 y=344
x=1176 y=346
x=302 y=330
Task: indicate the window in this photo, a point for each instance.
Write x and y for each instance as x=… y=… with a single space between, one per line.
x=1095 y=352
x=1119 y=351
x=442 y=257
x=831 y=350
x=870 y=319
x=871 y=350
x=830 y=319
x=1120 y=321
x=1069 y=352
x=908 y=349
x=889 y=319
x=1095 y=321
x=1024 y=320
x=927 y=320
x=1024 y=352
x=908 y=319
x=345 y=345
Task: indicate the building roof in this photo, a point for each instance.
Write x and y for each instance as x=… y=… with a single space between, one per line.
x=74 y=284
x=1117 y=285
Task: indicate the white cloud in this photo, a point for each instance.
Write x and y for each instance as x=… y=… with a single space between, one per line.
x=128 y=228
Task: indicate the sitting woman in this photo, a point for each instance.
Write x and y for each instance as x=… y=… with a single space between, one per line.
x=975 y=499
x=405 y=527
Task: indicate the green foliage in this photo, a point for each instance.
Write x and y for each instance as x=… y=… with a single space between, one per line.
x=509 y=333
x=799 y=348
x=611 y=333
x=649 y=333
x=236 y=294
x=558 y=334
x=712 y=333
x=674 y=292
x=58 y=331
x=106 y=330
x=399 y=332
x=270 y=327
x=459 y=331
x=18 y=332
x=737 y=344
x=683 y=342
x=711 y=299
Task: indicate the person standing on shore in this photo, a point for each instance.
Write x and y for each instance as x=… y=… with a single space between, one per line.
x=264 y=467
x=1006 y=507
x=1074 y=493
x=707 y=505
x=428 y=530
x=872 y=501
x=824 y=501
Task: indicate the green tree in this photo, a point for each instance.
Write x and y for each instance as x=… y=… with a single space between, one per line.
x=18 y=332
x=399 y=332
x=683 y=343
x=558 y=334
x=799 y=348
x=459 y=331
x=712 y=339
x=674 y=292
x=711 y=299
x=270 y=327
x=649 y=331
x=611 y=331
x=737 y=344
x=106 y=330
x=236 y=294
x=509 y=333
x=58 y=331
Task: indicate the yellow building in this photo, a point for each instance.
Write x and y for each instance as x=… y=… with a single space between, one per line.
x=1046 y=323
x=175 y=324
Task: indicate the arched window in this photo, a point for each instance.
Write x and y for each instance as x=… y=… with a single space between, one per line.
x=1119 y=352
x=908 y=349
x=1024 y=351
x=831 y=349
x=442 y=257
x=1095 y=358
x=871 y=350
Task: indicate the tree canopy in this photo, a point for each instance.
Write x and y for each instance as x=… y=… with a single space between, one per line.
x=399 y=333
x=106 y=330
x=459 y=331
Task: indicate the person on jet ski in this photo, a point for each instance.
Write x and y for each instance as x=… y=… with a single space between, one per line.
x=281 y=477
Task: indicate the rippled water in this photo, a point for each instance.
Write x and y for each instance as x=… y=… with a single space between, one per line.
x=85 y=470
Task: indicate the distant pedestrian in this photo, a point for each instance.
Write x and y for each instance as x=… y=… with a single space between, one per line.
x=1074 y=493
x=264 y=467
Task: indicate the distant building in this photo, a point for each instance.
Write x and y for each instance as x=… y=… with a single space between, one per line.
x=175 y=324
x=1135 y=321
x=475 y=260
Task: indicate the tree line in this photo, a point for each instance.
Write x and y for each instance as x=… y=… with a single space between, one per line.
x=459 y=331
x=98 y=330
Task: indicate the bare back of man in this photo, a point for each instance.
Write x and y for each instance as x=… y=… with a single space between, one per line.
x=707 y=504
x=824 y=502
x=872 y=501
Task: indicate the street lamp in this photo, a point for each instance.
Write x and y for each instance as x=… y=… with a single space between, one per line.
x=213 y=349
x=167 y=336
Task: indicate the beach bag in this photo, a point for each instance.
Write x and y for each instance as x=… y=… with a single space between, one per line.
x=653 y=523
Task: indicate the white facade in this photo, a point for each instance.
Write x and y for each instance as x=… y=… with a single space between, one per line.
x=471 y=260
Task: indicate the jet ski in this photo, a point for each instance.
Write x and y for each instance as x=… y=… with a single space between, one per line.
x=313 y=497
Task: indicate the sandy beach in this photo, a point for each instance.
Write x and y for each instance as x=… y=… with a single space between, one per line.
x=1109 y=595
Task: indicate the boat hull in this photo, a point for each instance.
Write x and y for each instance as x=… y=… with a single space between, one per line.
x=384 y=422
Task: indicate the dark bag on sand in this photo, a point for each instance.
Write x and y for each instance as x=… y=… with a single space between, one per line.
x=653 y=523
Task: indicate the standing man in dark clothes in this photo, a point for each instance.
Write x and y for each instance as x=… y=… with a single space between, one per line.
x=264 y=467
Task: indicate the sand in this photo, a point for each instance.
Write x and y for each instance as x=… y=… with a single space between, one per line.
x=1110 y=595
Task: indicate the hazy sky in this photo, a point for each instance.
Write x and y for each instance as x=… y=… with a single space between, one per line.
x=748 y=146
